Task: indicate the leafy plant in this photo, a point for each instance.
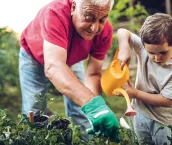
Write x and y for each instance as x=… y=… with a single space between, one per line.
x=60 y=131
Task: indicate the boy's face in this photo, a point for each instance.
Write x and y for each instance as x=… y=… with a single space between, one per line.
x=159 y=54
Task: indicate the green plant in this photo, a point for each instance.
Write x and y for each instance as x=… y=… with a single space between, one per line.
x=125 y=11
x=23 y=132
x=127 y=135
x=60 y=130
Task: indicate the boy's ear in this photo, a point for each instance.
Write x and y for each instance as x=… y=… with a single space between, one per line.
x=73 y=7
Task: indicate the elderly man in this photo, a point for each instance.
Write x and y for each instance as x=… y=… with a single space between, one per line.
x=63 y=33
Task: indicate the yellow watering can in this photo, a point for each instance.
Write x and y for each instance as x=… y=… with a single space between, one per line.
x=113 y=80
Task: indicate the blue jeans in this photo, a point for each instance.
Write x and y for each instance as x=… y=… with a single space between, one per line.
x=146 y=129
x=33 y=81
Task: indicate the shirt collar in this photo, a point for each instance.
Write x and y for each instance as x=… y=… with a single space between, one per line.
x=169 y=62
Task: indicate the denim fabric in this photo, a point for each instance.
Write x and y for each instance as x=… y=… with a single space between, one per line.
x=33 y=81
x=146 y=129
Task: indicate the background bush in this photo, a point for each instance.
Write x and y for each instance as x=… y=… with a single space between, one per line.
x=10 y=96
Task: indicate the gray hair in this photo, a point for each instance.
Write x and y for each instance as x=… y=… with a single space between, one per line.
x=98 y=2
x=103 y=2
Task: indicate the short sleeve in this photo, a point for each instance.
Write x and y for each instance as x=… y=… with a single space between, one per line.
x=53 y=29
x=136 y=43
x=102 y=43
x=167 y=90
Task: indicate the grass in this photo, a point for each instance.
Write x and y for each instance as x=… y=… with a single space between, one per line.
x=117 y=104
x=12 y=103
x=57 y=106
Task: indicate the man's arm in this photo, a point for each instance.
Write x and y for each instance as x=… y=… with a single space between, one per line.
x=61 y=75
x=93 y=75
x=94 y=107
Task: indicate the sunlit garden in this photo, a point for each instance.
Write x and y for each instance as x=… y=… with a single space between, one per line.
x=18 y=129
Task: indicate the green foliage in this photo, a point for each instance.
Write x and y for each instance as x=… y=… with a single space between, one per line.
x=113 y=48
x=9 y=47
x=23 y=132
x=128 y=137
x=9 y=79
x=123 y=11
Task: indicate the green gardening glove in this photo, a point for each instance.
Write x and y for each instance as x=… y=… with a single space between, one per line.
x=102 y=118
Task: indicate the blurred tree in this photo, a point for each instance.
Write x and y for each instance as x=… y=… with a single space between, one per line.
x=127 y=14
x=128 y=11
x=9 y=79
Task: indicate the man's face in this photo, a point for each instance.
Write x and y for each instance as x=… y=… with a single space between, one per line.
x=159 y=54
x=89 y=19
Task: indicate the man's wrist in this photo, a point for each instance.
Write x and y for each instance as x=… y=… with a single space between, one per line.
x=93 y=103
x=86 y=100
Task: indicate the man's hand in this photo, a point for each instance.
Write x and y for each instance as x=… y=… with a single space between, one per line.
x=102 y=118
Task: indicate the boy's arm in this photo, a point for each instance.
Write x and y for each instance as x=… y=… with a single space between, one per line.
x=153 y=99
x=127 y=40
x=123 y=38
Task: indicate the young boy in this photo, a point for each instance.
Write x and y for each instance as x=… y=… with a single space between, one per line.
x=152 y=97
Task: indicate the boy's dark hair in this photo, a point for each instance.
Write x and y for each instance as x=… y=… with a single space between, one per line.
x=157 y=29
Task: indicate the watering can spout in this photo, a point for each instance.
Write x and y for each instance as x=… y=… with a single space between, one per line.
x=130 y=111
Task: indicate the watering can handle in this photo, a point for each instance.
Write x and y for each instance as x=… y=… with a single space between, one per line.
x=116 y=54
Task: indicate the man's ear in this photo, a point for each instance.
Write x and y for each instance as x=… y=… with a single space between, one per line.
x=73 y=7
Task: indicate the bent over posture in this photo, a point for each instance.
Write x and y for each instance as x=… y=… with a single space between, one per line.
x=63 y=33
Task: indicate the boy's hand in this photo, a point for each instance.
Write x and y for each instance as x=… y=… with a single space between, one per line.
x=124 y=57
x=131 y=90
x=102 y=118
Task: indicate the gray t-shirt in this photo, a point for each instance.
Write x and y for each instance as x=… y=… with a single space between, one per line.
x=155 y=79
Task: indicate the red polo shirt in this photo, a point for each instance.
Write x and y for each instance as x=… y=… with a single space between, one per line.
x=54 y=24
